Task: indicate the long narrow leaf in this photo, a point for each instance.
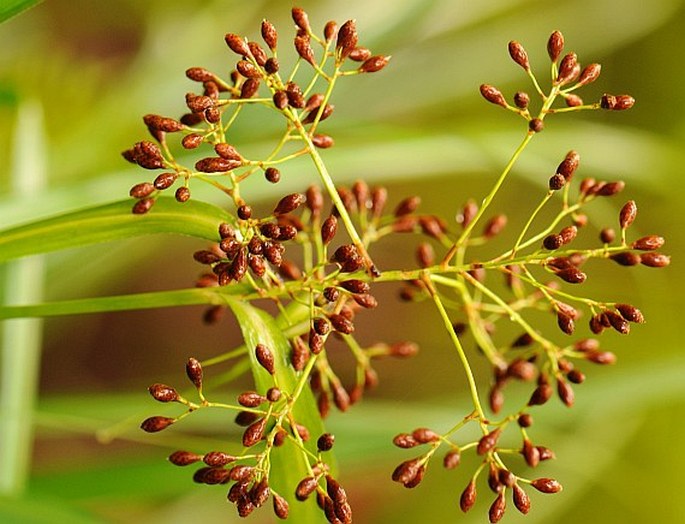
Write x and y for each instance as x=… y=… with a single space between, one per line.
x=111 y=222
x=10 y=8
x=288 y=466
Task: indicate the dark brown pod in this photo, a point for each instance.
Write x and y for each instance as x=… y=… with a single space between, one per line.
x=325 y=442
x=626 y=258
x=254 y=433
x=573 y=100
x=217 y=458
x=265 y=357
x=468 y=496
x=521 y=99
x=257 y=53
x=536 y=125
x=630 y=313
x=521 y=499
x=281 y=507
x=165 y=180
x=304 y=49
x=589 y=74
x=488 y=442
x=341 y=324
x=525 y=420
x=565 y=323
x=289 y=203
x=347 y=39
x=617 y=322
x=648 y=243
x=184 y=458
x=251 y=399
x=552 y=242
x=541 y=395
x=301 y=19
x=237 y=44
x=493 y=95
x=518 y=54
x=141 y=190
x=355 y=286
x=360 y=54
x=182 y=194
x=572 y=275
x=530 y=453
x=567 y=234
x=155 y=424
x=654 y=259
x=271 y=66
x=555 y=45
x=216 y=165
x=451 y=459
x=330 y=30
x=269 y=34
x=322 y=141
x=611 y=188
x=249 y=88
x=200 y=74
x=328 y=229
x=565 y=392
x=557 y=181
x=407 y=206
x=161 y=123
x=163 y=393
x=546 y=485
x=567 y=68
x=497 y=508
x=627 y=214
x=494 y=226
x=374 y=64
x=607 y=235
x=194 y=372
x=192 y=141
x=280 y=99
x=305 y=487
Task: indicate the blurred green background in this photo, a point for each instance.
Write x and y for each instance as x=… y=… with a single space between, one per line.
x=75 y=79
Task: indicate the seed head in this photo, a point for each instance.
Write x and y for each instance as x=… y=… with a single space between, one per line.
x=254 y=433
x=281 y=508
x=194 y=372
x=305 y=488
x=497 y=508
x=520 y=498
x=265 y=358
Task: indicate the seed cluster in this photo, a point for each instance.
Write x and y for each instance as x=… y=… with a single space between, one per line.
x=327 y=277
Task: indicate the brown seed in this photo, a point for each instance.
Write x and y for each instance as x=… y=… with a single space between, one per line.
x=160 y=123
x=565 y=392
x=165 y=180
x=425 y=435
x=217 y=458
x=341 y=324
x=360 y=54
x=567 y=234
x=237 y=44
x=254 y=433
x=273 y=394
x=289 y=203
x=552 y=242
x=494 y=226
x=523 y=340
x=192 y=141
x=630 y=313
x=405 y=441
x=257 y=53
x=497 y=508
x=355 y=286
x=536 y=125
x=521 y=500
x=488 y=442
x=530 y=453
x=265 y=358
x=627 y=214
x=295 y=96
x=525 y=420
x=572 y=275
x=280 y=99
x=269 y=34
x=493 y=95
x=347 y=39
x=518 y=54
x=374 y=64
x=184 y=458
x=403 y=349
x=281 y=508
x=565 y=323
x=451 y=459
x=141 y=190
x=626 y=258
x=648 y=243
x=163 y=393
x=589 y=74
x=468 y=496
x=216 y=165
x=301 y=19
x=328 y=229
x=249 y=88
x=406 y=471
x=555 y=45
x=607 y=235
x=407 y=206
x=567 y=69
x=305 y=488
x=541 y=395
x=322 y=141
x=251 y=399
x=304 y=49
x=521 y=369
x=573 y=100
x=557 y=181
x=575 y=376
x=194 y=372
x=654 y=259
x=325 y=442
x=425 y=255
x=199 y=74
x=601 y=357
x=617 y=321
x=546 y=485
x=260 y=492
x=155 y=424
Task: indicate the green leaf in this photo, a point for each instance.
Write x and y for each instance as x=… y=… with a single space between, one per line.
x=111 y=222
x=156 y=299
x=10 y=8
x=287 y=463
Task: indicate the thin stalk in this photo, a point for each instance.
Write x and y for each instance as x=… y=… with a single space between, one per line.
x=473 y=389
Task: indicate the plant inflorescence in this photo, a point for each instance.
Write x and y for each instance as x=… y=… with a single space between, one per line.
x=254 y=258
